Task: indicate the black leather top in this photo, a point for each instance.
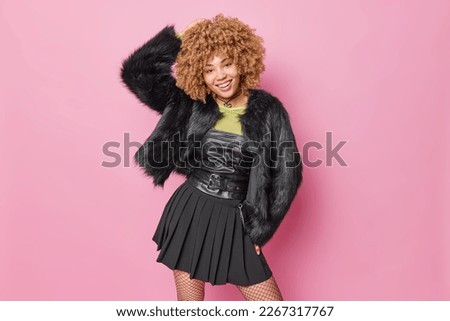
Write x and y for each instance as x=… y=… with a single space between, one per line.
x=221 y=155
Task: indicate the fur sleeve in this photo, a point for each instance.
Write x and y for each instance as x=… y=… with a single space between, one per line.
x=286 y=171
x=265 y=209
x=147 y=71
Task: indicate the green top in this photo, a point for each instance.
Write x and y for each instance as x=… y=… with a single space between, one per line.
x=230 y=121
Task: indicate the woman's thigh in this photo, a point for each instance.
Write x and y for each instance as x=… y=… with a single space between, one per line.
x=188 y=289
x=265 y=291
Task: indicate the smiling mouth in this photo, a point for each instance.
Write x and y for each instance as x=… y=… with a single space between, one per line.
x=224 y=85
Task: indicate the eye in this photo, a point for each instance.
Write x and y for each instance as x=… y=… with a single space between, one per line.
x=207 y=71
x=228 y=64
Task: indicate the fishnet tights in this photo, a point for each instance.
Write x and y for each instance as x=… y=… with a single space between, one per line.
x=194 y=290
x=188 y=289
x=264 y=291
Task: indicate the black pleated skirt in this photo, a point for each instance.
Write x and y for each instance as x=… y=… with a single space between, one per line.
x=203 y=235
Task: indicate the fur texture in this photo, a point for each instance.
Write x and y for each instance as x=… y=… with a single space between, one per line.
x=274 y=180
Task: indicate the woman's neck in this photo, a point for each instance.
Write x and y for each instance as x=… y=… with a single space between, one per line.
x=238 y=101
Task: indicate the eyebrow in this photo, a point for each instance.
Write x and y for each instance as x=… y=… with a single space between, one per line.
x=220 y=61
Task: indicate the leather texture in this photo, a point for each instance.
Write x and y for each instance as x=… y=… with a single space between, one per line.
x=224 y=170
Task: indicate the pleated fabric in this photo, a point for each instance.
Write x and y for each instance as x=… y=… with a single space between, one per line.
x=203 y=234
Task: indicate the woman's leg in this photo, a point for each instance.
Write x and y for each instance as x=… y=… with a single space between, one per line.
x=265 y=291
x=188 y=289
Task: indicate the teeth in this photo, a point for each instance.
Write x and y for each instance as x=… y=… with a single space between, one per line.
x=224 y=85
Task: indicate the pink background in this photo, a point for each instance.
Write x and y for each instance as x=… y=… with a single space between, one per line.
x=374 y=73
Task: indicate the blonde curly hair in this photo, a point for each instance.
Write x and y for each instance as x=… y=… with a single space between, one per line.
x=220 y=35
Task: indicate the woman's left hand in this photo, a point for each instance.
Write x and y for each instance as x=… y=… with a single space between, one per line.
x=258 y=249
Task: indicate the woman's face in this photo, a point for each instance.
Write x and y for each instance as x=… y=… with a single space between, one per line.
x=221 y=76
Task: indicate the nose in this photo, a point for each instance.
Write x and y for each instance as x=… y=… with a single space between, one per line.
x=221 y=74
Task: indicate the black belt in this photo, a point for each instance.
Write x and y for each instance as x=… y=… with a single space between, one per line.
x=218 y=185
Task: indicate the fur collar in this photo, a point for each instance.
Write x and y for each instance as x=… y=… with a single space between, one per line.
x=254 y=120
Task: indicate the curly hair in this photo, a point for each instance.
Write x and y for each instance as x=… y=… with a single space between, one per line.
x=221 y=35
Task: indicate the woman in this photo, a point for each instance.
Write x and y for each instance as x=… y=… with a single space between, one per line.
x=232 y=142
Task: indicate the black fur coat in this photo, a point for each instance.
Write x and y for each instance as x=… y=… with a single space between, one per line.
x=276 y=173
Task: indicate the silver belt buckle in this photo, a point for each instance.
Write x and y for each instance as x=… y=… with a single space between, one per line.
x=214 y=181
